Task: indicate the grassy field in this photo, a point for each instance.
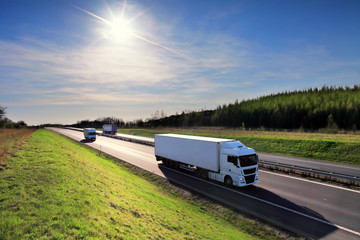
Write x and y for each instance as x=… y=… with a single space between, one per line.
x=10 y=141
x=57 y=188
x=343 y=148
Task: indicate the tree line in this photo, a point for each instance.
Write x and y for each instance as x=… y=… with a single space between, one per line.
x=311 y=109
x=327 y=107
x=99 y=122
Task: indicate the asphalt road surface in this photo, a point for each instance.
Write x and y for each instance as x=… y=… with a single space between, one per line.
x=315 y=210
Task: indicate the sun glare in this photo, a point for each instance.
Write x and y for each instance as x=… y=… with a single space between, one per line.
x=118 y=31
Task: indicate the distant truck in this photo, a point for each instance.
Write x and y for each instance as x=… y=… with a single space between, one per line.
x=109 y=129
x=90 y=134
x=224 y=160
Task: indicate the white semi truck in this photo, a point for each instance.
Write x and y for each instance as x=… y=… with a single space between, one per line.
x=90 y=134
x=223 y=160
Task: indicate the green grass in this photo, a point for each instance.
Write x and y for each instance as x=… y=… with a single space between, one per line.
x=342 y=148
x=57 y=188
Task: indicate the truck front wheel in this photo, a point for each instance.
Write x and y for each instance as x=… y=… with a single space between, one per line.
x=228 y=181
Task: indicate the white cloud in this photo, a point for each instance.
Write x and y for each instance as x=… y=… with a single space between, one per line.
x=82 y=74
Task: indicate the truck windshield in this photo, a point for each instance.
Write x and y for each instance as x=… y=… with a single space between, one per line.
x=92 y=133
x=248 y=160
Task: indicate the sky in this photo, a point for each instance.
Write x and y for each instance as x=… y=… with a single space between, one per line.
x=62 y=61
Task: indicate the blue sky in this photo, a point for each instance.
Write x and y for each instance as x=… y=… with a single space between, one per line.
x=68 y=60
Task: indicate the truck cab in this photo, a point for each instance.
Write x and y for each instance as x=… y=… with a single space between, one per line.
x=90 y=134
x=238 y=164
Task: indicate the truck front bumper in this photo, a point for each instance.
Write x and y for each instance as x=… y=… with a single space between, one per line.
x=246 y=180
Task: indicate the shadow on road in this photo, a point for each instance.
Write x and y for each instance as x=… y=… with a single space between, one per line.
x=266 y=195
x=258 y=202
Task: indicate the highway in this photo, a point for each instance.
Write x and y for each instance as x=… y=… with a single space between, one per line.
x=295 y=161
x=315 y=210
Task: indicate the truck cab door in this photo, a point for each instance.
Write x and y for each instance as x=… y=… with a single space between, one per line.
x=230 y=164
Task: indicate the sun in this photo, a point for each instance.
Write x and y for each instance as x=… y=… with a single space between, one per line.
x=118 y=31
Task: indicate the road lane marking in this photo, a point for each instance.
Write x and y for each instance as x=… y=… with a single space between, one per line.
x=306 y=180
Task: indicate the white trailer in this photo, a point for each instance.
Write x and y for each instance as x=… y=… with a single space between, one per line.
x=90 y=134
x=223 y=160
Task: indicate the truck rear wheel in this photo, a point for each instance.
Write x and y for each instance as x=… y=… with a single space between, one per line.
x=202 y=173
x=174 y=164
x=205 y=174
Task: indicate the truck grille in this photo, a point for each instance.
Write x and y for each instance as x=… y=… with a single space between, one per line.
x=249 y=171
x=250 y=179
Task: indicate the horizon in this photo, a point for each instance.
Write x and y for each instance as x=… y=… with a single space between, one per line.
x=159 y=114
x=65 y=61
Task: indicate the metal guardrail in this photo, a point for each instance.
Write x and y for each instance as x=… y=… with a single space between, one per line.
x=75 y=129
x=134 y=140
x=288 y=168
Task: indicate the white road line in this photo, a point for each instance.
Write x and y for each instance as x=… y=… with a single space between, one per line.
x=274 y=204
x=314 y=182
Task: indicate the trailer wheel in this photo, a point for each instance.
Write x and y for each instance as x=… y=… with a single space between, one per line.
x=174 y=164
x=228 y=181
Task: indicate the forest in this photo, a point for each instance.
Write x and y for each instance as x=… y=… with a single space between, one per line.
x=311 y=109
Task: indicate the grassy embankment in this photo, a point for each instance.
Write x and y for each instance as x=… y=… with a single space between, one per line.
x=342 y=148
x=58 y=188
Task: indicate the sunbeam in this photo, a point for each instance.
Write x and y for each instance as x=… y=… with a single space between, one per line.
x=92 y=14
x=155 y=43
